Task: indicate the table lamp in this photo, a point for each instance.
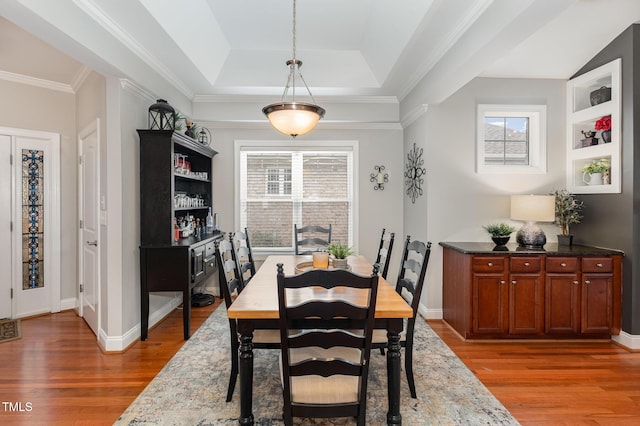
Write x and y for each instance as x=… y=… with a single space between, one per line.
x=532 y=209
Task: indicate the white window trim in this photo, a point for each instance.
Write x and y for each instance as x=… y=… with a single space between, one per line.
x=537 y=115
x=336 y=145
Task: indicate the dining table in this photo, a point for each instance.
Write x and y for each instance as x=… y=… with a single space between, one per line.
x=256 y=307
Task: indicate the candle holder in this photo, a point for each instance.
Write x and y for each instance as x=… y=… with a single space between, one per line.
x=379 y=178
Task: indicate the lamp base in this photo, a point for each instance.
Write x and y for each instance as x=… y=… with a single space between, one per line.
x=531 y=236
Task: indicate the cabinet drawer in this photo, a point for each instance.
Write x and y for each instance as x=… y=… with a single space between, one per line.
x=488 y=264
x=209 y=250
x=562 y=264
x=597 y=264
x=525 y=264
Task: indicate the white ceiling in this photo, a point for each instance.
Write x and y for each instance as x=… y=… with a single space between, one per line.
x=349 y=48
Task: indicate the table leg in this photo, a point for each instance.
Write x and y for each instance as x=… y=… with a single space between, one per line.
x=246 y=377
x=186 y=313
x=393 y=378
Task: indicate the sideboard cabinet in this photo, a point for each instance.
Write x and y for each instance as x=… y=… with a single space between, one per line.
x=562 y=291
x=168 y=263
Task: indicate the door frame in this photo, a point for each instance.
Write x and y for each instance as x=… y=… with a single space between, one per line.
x=52 y=223
x=93 y=127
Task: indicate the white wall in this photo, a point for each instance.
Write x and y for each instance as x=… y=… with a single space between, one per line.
x=457 y=201
x=377 y=209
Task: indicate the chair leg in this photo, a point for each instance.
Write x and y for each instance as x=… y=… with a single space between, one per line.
x=381 y=351
x=408 y=367
x=234 y=371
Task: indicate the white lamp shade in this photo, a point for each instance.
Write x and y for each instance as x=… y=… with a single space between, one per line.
x=293 y=118
x=537 y=208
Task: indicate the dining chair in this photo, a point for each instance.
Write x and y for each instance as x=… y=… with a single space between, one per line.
x=311 y=238
x=230 y=283
x=326 y=343
x=384 y=252
x=413 y=269
x=244 y=256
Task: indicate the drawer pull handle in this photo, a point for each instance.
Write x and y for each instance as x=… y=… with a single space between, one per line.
x=526 y=264
x=576 y=282
x=489 y=264
x=503 y=282
x=513 y=282
x=599 y=265
x=587 y=282
x=563 y=264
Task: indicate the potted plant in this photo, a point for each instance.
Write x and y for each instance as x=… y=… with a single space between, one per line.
x=568 y=212
x=592 y=173
x=500 y=232
x=339 y=252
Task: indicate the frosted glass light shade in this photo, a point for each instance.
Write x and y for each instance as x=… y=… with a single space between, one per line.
x=536 y=208
x=293 y=118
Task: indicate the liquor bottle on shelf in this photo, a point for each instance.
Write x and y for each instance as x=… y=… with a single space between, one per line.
x=176 y=230
x=210 y=224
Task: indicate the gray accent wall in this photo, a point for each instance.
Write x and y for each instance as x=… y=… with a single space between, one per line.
x=613 y=220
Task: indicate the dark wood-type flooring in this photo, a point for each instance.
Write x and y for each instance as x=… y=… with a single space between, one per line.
x=59 y=376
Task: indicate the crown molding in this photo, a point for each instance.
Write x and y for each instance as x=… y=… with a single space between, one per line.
x=37 y=82
x=137 y=90
x=413 y=115
x=319 y=99
x=322 y=125
x=80 y=77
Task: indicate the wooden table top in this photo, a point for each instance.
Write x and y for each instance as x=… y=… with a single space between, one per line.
x=259 y=300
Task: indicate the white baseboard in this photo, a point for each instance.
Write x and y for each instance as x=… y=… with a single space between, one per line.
x=66 y=304
x=427 y=313
x=120 y=343
x=629 y=341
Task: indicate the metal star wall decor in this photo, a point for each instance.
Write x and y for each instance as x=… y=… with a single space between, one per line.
x=413 y=173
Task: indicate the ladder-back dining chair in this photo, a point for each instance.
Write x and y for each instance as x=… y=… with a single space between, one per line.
x=231 y=286
x=413 y=269
x=311 y=238
x=326 y=343
x=244 y=256
x=384 y=252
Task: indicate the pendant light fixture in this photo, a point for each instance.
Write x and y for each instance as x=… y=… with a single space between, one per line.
x=291 y=117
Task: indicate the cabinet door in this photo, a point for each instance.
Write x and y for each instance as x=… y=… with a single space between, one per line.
x=526 y=304
x=197 y=263
x=596 y=303
x=562 y=310
x=490 y=304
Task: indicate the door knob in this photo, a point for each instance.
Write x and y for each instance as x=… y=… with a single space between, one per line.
x=93 y=243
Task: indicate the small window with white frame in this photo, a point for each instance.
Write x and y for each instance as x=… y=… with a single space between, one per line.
x=511 y=139
x=278 y=181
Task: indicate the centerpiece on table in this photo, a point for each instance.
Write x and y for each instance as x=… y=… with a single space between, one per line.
x=568 y=212
x=604 y=125
x=500 y=232
x=339 y=252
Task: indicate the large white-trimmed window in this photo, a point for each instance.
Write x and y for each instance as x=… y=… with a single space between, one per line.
x=511 y=139
x=302 y=183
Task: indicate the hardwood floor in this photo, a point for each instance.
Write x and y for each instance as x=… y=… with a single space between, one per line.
x=59 y=370
x=59 y=376
x=569 y=383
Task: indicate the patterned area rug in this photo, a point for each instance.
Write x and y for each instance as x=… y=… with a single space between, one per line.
x=191 y=388
x=9 y=330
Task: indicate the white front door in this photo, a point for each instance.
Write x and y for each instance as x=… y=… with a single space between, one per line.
x=35 y=221
x=89 y=243
x=5 y=225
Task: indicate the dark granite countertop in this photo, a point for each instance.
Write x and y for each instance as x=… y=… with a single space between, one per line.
x=550 y=249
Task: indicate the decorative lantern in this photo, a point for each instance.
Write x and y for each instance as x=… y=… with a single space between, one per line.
x=204 y=136
x=162 y=116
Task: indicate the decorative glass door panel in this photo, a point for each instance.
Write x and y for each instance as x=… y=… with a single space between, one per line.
x=32 y=219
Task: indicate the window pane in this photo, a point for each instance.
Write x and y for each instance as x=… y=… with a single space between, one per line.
x=506 y=140
x=280 y=189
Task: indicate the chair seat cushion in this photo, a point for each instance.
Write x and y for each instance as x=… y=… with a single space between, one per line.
x=380 y=336
x=334 y=389
x=266 y=336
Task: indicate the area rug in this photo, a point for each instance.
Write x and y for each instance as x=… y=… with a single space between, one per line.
x=9 y=330
x=191 y=388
